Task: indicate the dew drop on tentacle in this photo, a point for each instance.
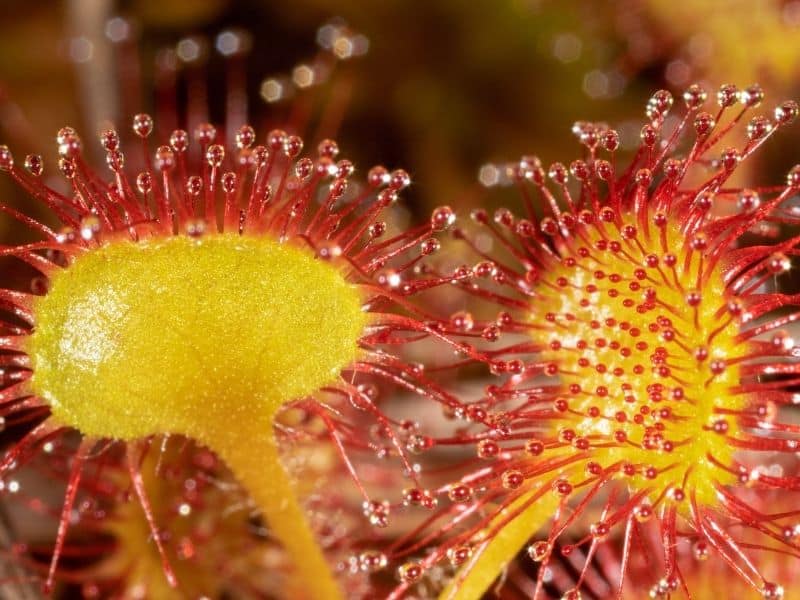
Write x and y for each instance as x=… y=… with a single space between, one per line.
x=540 y=550
x=772 y=591
x=371 y=561
x=34 y=164
x=142 y=125
x=459 y=555
x=6 y=159
x=410 y=572
x=377 y=512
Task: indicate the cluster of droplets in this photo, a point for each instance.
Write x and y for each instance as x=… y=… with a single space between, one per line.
x=652 y=347
x=164 y=181
x=195 y=185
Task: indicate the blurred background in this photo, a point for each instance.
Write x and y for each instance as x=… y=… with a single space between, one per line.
x=439 y=88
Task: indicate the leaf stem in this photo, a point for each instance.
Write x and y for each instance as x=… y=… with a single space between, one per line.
x=254 y=459
x=489 y=560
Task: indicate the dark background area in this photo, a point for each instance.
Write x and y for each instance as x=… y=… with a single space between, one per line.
x=445 y=87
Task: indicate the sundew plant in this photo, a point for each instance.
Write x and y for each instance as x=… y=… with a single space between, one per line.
x=650 y=374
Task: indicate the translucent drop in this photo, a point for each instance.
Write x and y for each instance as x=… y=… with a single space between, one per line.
x=488 y=449
x=694 y=97
x=326 y=250
x=303 y=168
x=459 y=555
x=703 y=124
x=417 y=444
x=751 y=96
x=462 y=321
x=748 y=201
x=657 y=593
x=399 y=179
x=370 y=561
x=377 y=512
x=410 y=572
x=773 y=591
x=460 y=493
x=293 y=146
x=538 y=551
x=165 y=158
x=793 y=177
x=34 y=164
x=67 y=167
x=328 y=148
x=643 y=513
x=205 y=133
x=659 y=103
x=6 y=159
x=700 y=550
x=758 y=127
x=109 y=139
x=115 y=160
x=512 y=479
x=194 y=185
x=215 y=155
x=388 y=278
x=378 y=176
x=70 y=146
x=89 y=227
x=179 y=140
x=144 y=182
x=727 y=95
x=228 y=182
x=786 y=112
x=442 y=218
x=245 y=137
x=428 y=247
x=142 y=125
x=599 y=530
x=562 y=487
x=195 y=228
x=64 y=133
